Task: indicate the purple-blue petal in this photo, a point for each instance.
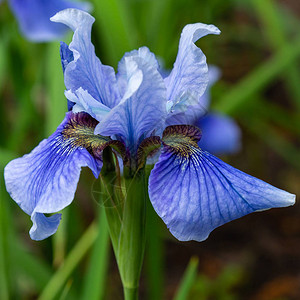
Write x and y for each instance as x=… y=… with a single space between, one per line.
x=189 y=76
x=66 y=57
x=194 y=192
x=34 y=17
x=220 y=134
x=192 y=113
x=45 y=180
x=142 y=108
x=42 y=226
x=86 y=70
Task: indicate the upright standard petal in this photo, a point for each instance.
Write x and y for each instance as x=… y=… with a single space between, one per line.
x=143 y=109
x=34 y=17
x=191 y=110
x=194 y=192
x=189 y=77
x=86 y=70
x=45 y=180
x=220 y=134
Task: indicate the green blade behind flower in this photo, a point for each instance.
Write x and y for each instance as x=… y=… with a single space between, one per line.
x=258 y=78
x=59 y=279
x=115 y=23
x=272 y=20
x=95 y=278
x=187 y=281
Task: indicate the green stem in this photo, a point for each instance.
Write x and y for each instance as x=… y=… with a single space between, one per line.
x=130 y=293
x=126 y=215
x=133 y=234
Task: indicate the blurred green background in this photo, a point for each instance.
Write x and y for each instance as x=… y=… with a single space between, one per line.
x=256 y=257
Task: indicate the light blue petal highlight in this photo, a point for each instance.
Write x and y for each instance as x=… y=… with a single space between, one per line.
x=84 y=102
x=189 y=76
x=43 y=226
x=194 y=196
x=86 y=70
x=45 y=180
x=34 y=17
x=129 y=76
x=144 y=111
x=220 y=134
x=190 y=110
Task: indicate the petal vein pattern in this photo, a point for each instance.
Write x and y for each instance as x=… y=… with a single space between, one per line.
x=143 y=111
x=194 y=192
x=45 y=180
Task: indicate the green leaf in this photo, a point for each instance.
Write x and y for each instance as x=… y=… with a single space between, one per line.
x=57 y=282
x=29 y=265
x=115 y=23
x=188 y=280
x=274 y=140
x=56 y=100
x=258 y=79
x=95 y=279
x=4 y=264
x=154 y=255
x=5 y=157
x=276 y=33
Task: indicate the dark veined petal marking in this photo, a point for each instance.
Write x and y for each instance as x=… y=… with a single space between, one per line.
x=79 y=132
x=147 y=148
x=45 y=180
x=181 y=139
x=194 y=192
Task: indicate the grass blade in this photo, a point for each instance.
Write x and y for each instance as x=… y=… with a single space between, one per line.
x=72 y=260
x=4 y=280
x=29 y=265
x=258 y=78
x=94 y=284
x=274 y=29
x=187 y=281
x=114 y=22
x=271 y=138
x=154 y=255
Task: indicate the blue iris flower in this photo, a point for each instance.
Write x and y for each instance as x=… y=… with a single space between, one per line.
x=34 y=17
x=191 y=190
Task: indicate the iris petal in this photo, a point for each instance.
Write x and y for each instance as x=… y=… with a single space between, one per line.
x=34 y=17
x=43 y=226
x=189 y=77
x=45 y=180
x=143 y=108
x=82 y=101
x=194 y=192
x=86 y=70
x=192 y=112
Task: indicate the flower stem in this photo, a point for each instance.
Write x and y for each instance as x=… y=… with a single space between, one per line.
x=130 y=293
x=126 y=215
